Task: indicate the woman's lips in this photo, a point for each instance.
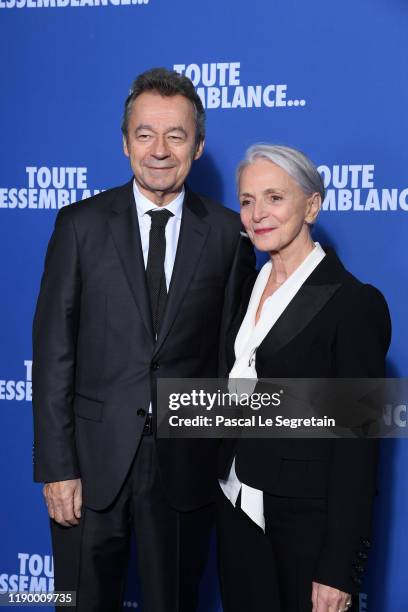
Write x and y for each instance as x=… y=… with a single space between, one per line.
x=266 y=230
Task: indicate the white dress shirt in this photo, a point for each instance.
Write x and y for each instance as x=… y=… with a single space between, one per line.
x=249 y=337
x=172 y=231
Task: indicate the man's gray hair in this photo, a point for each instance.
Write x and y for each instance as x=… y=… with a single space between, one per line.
x=293 y=161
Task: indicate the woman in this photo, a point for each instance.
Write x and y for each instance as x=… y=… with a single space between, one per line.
x=294 y=515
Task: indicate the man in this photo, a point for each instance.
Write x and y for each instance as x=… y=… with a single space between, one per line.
x=133 y=289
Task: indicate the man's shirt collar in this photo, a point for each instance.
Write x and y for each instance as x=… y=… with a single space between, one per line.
x=143 y=204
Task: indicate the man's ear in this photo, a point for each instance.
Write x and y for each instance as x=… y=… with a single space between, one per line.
x=313 y=208
x=125 y=146
x=199 y=149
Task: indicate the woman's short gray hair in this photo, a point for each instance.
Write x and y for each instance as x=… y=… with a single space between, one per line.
x=293 y=161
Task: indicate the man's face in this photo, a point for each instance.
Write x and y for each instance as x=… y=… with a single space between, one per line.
x=161 y=144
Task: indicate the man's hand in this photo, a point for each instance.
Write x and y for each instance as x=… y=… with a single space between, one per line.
x=64 y=501
x=328 y=599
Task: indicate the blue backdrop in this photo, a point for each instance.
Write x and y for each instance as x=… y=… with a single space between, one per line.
x=329 y=78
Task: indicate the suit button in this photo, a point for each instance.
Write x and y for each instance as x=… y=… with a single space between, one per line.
x=365 y=542
x=362 y=555
x=141 y=412
x=154 y=365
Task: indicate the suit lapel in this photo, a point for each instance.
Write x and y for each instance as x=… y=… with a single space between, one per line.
x=306 y=304
x=313 y=295
x=125 y=231
x=193 y=235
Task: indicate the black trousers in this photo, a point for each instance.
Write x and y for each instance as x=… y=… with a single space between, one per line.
x=92 y=557
x=271 y=572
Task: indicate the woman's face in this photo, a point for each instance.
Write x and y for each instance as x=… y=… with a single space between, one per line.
x=274 y=210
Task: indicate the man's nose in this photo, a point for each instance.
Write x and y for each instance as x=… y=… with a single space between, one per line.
x=159 y=148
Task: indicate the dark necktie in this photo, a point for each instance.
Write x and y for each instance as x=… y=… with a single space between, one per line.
x=156 y=279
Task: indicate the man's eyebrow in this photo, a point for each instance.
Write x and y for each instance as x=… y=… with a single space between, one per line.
x=173 y=128
x=144 y=126
x=177 y=128
x=245 y=194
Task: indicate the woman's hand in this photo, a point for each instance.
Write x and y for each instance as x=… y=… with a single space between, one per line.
x=328 y=599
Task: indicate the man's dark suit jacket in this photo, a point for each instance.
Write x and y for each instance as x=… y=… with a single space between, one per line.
x=95 y=358
x=335 y=326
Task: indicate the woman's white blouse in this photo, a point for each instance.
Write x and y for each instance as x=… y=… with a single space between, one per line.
x=249 y=337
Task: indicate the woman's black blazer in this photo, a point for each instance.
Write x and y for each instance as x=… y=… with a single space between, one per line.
x=335 y=326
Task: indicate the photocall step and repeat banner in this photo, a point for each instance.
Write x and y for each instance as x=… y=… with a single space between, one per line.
x=328 y=78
